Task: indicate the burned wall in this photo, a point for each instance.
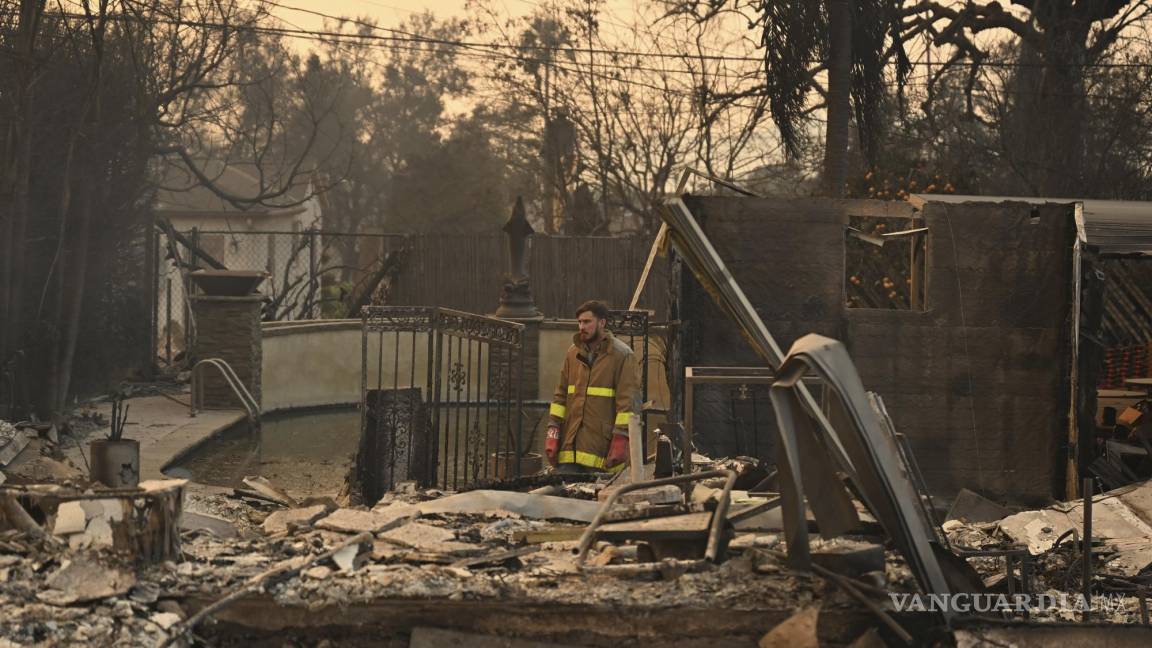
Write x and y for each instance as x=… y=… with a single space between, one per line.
x=977 y=379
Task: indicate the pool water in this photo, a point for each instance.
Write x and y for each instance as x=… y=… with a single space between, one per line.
x=306 y=453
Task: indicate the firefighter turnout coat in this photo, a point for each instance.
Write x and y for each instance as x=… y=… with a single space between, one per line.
x=594 y=398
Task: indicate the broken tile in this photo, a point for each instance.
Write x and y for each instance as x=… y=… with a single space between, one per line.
x=219 y=527
x=279 y=521
x=425 y=537
x=353 y=521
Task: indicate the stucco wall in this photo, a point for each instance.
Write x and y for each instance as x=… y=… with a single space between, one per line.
x=308 y=364
x=312 y=363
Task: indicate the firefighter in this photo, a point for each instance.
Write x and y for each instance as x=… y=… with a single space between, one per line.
x=599 y=384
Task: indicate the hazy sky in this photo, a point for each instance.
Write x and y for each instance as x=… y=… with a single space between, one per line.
x=388 y=12
x=391 y=12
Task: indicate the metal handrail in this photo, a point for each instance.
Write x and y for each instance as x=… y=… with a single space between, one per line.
x=245 y=396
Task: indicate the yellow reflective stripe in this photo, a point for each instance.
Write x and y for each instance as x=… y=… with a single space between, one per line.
x=617 y=468
x=582 y=458
x=571 y=389
x=622 y=418
x=601 y=391
x=558 y=410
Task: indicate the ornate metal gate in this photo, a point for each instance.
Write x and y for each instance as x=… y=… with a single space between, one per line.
x=631 y=327
x=440 y=398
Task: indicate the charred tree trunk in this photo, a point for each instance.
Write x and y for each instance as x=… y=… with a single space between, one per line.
x=1047 y=107
x=838 y=128
x=15 y=186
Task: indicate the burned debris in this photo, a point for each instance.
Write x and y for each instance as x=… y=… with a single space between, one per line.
x=448 y=527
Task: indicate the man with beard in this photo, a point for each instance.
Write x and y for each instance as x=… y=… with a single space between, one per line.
x=588 y=424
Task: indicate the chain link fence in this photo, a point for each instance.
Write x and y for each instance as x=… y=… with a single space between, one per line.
x=312 y=274
x=315 y=274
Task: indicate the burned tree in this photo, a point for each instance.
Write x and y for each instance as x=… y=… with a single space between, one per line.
x=1059 y=42
x=97 y=95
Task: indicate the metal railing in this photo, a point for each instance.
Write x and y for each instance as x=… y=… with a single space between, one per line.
x=242 y=393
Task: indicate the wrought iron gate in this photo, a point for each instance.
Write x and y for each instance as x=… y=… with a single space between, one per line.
x=440 y=398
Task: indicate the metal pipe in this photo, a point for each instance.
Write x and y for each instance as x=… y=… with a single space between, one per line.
x=1086 y=562
x=718 y=517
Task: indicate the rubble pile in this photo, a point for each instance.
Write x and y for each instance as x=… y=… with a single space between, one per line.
x=1052 y=540
x=496 y=546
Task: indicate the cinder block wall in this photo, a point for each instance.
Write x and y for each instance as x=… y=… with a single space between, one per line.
x=977 y=380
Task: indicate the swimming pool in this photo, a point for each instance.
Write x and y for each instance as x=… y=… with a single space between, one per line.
x=305 y=452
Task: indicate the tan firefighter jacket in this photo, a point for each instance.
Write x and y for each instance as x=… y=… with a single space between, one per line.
x=593 y=401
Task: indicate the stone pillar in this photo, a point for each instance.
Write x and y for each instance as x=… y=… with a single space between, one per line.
x=228 y=328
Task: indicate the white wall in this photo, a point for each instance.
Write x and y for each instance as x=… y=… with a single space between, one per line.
x=313 y=363
x=307 y=364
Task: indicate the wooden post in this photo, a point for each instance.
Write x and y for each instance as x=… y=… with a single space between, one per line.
x=635 y=449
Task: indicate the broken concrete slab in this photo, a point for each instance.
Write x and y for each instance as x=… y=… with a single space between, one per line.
x=973 y=508
x=279 y=522
x=653 y=496
x=217 y=526
x=70 y=518
x=541 y=507
x=109 y=509
x=80 y=580
x=1120 y=519
x=425 y=537
x=1038 y=530
x=354 y=521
